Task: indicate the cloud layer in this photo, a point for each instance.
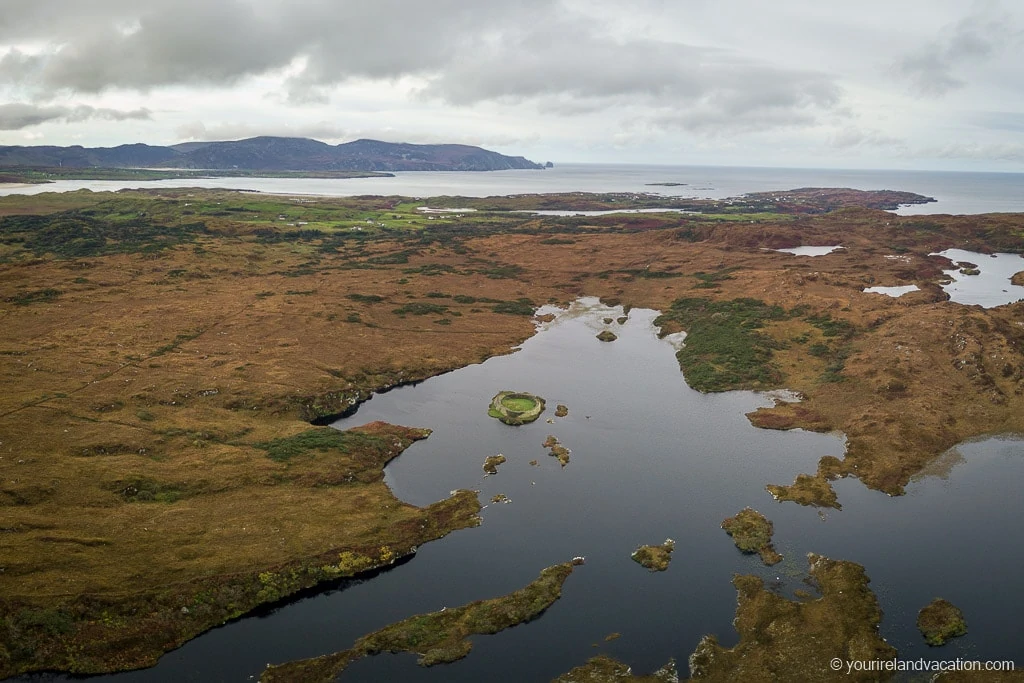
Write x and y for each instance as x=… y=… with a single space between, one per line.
x=933 y=68
x=737 y=81
x=463 y=51
x=17 y=116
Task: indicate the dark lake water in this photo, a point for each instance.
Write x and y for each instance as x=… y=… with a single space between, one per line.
x=651 y=459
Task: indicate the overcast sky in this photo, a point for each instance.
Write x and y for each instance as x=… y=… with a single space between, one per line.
x=930 y=84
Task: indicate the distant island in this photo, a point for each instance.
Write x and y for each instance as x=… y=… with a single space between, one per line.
x=266 y=154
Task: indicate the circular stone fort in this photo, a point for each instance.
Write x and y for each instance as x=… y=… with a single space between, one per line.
x=516 y=407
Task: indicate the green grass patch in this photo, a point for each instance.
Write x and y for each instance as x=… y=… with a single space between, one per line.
x=648 y=274
x=832 y=327
x=517 y=307
x=518 y=404
x=321 y=440
x=430 y=269
x=95 y=232
x=146 y=490
x=37 y=297
x=365 y=298
x=420 y=308
x=724 y=348
x=397 y=258
x=713 y=280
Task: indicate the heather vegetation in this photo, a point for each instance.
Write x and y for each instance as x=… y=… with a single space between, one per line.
x=166 y=351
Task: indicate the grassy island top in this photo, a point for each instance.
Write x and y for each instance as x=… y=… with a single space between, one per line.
x=516 y=408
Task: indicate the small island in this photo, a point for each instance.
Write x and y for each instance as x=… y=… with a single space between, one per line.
x=491 y=463
x=806 y=489
x=438 y=637
x=655 y=557
x=557 y=450
x=939 y=621
x=515 y=407
x=607 y=336
x=752 y=533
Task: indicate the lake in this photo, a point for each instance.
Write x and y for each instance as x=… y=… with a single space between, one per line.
x=989 y=287
x=651 y=459
x=957 y=193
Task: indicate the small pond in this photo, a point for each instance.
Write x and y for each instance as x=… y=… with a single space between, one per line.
x=991 y=287
x=894 y=292
x=810 y=250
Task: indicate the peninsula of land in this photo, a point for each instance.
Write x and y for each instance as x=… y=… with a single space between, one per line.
x=260 y=154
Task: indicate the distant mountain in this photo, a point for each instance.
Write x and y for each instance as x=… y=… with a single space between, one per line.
x=189 y=146
x=271 y=154
x=122 y=156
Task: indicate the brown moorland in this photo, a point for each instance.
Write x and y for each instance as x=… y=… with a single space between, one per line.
x=164 y=353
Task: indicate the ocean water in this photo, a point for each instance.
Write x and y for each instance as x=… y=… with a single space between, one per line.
x=957 y=193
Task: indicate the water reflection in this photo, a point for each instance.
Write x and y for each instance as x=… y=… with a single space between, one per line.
x=894 y=292
x=809 y=250
x=651 y=459
x=991 y=285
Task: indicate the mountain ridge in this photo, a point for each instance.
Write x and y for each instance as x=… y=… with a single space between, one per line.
x=270 y=153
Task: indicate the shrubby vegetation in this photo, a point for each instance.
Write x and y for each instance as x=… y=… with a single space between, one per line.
x=92 y=232
x=724 y=348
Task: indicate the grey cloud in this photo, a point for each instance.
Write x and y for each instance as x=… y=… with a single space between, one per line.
x=852 y=136
x=191 y=42
x=18 y=67
x=465 y=52
x=1000 y=120
x=199 y=131
x=36 y=20
x=17 y=116
x=756 y=99
x=932 y=69
x=569 y=69
x=330 y=132
x=166 y=42
x=997 y=152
